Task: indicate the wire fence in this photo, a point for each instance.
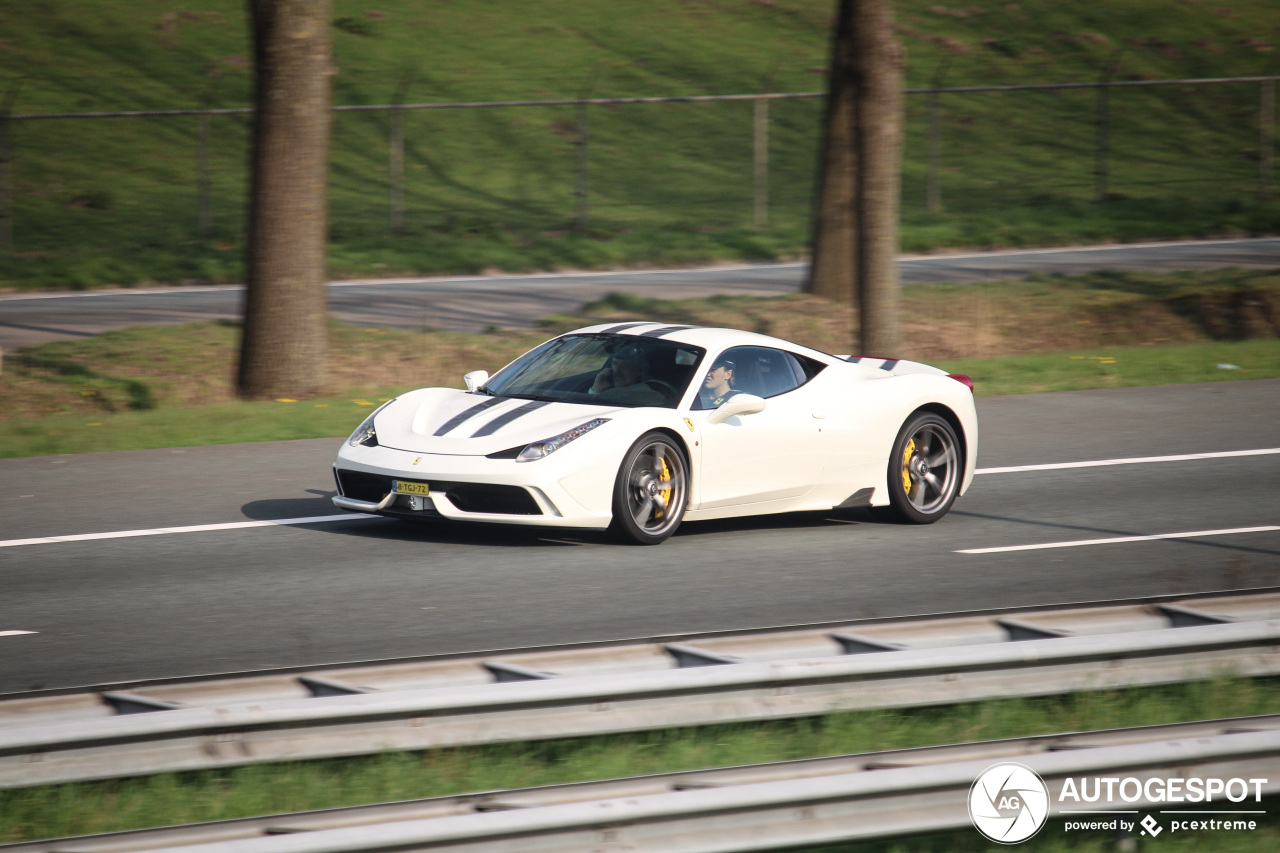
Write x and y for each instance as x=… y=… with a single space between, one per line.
x=543 y=164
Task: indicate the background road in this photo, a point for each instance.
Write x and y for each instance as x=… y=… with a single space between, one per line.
x=133 y=607
x=474 y=303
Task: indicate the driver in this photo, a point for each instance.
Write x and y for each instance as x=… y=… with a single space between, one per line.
x=625 y=380
x=718 y=384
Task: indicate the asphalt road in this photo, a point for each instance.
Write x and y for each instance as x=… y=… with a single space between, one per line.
x=233 y=597
x=474 y=303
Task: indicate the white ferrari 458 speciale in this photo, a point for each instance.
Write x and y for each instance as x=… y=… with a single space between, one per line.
x=636 y=427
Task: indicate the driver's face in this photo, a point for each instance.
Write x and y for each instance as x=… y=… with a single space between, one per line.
x=716 y=376
x=626 y=372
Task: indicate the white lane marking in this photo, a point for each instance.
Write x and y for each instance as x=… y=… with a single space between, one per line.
x=14 y=633
x=1118 y=539
x=196 y=528
x=322 y=519
x=1139 y=460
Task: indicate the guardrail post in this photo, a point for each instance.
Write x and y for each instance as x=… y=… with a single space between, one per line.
x=1266 y=138
x=760 y=216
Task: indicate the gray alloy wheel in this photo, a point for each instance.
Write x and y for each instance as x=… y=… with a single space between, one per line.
x=925 y=469
x=650 y=493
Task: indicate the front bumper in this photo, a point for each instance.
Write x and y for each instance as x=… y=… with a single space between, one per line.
x=551 y=492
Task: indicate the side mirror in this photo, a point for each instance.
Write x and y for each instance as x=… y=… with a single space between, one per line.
x=739 y=404
x=475 y=379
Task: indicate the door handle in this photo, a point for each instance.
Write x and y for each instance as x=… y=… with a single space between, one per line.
x=819 y=413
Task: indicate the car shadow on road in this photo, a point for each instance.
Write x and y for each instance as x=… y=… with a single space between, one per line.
x=479 y=533
x=427 y=530
x=823 y=519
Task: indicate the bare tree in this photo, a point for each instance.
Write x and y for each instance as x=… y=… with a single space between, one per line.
x=283 y=348
x=855 y=232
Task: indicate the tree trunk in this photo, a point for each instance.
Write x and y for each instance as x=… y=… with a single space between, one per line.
x=855 y=231
x=283 y=348
x=879 y=59
x=832 y=272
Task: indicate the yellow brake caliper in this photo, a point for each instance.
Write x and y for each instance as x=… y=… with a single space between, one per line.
x=906 y=462
x=666 y=493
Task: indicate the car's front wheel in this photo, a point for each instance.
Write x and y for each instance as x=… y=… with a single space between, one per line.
x=650 y=493
x=925 y=469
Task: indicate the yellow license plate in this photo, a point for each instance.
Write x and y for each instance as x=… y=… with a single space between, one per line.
x=404 y=487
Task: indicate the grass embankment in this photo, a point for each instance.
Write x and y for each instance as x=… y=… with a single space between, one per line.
x=172 y=385
x=167 y=799
x=115 y=201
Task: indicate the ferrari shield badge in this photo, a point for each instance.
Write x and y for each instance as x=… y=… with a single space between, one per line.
x=689 y=424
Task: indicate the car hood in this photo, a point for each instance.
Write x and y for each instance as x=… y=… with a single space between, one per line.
x=459 y=423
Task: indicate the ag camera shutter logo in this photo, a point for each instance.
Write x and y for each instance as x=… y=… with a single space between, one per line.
x=1008 y=803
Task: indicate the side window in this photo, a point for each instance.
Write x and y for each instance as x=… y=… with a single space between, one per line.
x=762 y=371
x=805 y=368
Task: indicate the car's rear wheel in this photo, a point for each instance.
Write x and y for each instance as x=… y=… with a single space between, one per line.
x=925 y=469
x=650 y=492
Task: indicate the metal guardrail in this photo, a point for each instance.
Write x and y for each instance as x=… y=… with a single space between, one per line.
x=821 y=800
x=628 y=688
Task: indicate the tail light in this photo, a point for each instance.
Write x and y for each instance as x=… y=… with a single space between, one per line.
x=962 y=379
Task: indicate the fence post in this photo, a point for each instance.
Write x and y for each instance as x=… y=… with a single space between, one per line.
x=933 y=186
x=6 y=169
x=395 y=169
x=6 y=185
x=1102 y=119
x=933 y=180
x=581 y=187
x=1266 y=138
x=395 y=156
x=204 y=214
x=761 y=172
x=1102 y=148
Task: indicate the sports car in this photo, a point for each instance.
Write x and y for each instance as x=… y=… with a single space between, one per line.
x=638 y=426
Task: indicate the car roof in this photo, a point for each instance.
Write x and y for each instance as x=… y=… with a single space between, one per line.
x=710 y=338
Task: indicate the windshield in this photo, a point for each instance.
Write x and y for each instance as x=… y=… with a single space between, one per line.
x=615 y=370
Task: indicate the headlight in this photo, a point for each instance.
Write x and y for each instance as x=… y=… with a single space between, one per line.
x=365 y=433
x=547 y=446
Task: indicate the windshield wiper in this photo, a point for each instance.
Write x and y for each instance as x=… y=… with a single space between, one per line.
x=541 y=398
x=484 y=389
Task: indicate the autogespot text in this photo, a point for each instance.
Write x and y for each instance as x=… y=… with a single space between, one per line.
x=1130 y=790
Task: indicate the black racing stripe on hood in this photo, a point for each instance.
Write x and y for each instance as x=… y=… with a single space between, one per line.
x=613 y=330
x=665 y=330
x=890 y=364
x=465 y=414
x=507 y=417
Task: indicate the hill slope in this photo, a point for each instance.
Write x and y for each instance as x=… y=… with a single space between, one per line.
x=115 y=200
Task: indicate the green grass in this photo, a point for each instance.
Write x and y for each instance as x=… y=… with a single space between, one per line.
x=165 y=799
x=166 y=386
x=229 y=423
x=1122 y=367
x=114 y=201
